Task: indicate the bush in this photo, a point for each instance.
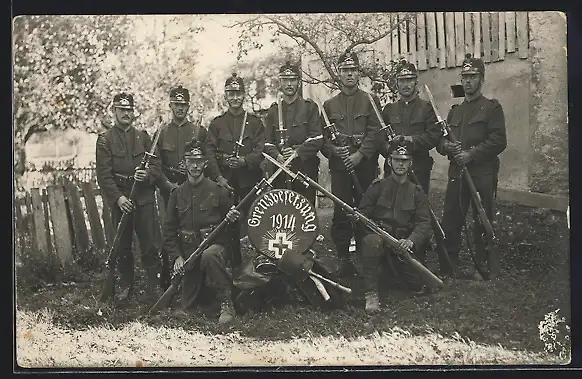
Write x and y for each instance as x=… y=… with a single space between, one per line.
x=555 y=334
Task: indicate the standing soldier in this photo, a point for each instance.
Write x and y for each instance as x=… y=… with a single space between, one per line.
x=479 y=125
x=119 y=152
x=235 y=143
x=414 y=119
x=171 y=145
x=301 y=121
x=401 y=208
x=357 y=124
x=195 y=208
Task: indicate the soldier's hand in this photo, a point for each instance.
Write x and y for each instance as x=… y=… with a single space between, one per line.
x=221 y=181
x=341 y=151
x=463 y=157
x=404 y=245
x=125 y=204
x=179 y=265
x=140 y=175
x=235 y=162
x=232 y=215
x=287 y=152
x=352 y=160
x=354 y=218
x=452 y=147
x=280 y=158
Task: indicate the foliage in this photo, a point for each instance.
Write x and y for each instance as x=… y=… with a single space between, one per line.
x=326 y=37
x=554 y=332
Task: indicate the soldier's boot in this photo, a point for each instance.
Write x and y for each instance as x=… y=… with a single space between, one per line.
x=226 y=312
x=372 y=302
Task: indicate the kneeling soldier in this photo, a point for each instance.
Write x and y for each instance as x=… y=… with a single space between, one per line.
x=194 y=209
x=401 y=208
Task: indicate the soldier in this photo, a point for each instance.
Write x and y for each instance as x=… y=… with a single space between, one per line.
x=194 y=210
x=302 y=121
x=415 y=120
x=239 y=173
x=119 y=152
x=479 y=125
x=401 y=208
x=171 y=145
x=354 y=117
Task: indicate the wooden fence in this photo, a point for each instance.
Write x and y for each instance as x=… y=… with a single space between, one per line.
x=66 y=220
x=441 y=39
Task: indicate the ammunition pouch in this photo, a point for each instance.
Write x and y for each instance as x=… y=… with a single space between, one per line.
x=397 y=232
x=354 y=141
x=123 y=181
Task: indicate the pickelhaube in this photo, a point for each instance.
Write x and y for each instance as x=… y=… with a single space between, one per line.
x=234 y=83
x=348 y=60
x=407 y=70
x=179 y=95
x=472 y=66
x=400 y=149
x=289 y=70
x=123 y=100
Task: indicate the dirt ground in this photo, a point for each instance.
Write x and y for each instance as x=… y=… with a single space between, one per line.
x=534 y=246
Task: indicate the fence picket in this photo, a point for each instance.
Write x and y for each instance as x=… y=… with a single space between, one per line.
x=440 y=18
x=486 y=36
x=97 y=235
x=431 y=39
x=522 y=35
x=47 y=221
x=107 y=222
x=412 y=32
x=58 y=208
x=450 y=38
x=510 y=29
x=30 y=222
x=39 y=222
x=459 y=38
x=494 y=36
x=395 y=45
x=477 y=32
x=468 y=33
x=78 y=223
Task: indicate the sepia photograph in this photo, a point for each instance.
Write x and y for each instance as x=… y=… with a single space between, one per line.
x=276 y=190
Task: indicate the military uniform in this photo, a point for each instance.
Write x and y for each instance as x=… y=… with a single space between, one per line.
x=172 y=146
x=301 y=121
x=194 y=210
x=223 y=133
x=416 y=119
x=479 y=125
x=356 y=121
x=118 y=153
x=402 y=210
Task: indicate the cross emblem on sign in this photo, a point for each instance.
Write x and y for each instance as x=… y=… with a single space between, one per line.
x=280 y=244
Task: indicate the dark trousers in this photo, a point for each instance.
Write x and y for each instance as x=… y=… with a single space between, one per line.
x=239 y=228
x=372 y=254
x=342 y=186
x=165 y=271
x=141 y=220
x=457 y=199
x=211 y=274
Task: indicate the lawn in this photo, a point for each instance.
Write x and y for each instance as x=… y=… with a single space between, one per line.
x=469 y=322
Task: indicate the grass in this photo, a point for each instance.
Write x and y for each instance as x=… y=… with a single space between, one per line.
x=469 y=322
x=41 y=343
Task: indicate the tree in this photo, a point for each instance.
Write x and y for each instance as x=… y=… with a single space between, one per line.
x=326 y=36
x=55 y=67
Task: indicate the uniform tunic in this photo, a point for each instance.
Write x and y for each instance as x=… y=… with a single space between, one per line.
x=417 y=119
x=194 y=210
x=355 y=119
x=302 y=121
x=402 y=210
x=118 y=154
x=479 y=125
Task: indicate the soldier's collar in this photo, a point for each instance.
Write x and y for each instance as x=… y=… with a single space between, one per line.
x=125 y=130
x=184 y=121
x=393 y=177
x=473 y=100
x=356 y=89
x=241 y=112
x=409 y=101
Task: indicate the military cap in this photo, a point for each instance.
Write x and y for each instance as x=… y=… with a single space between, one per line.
x=179 y=95
x=234 y=83
x=289 y=70
x=348 y=60
x=472 y=66
x=193 y=150
x=123 y=100
x=400 y=149
x=407 y=70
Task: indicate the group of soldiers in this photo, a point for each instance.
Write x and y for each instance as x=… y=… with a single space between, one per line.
x=200 y=178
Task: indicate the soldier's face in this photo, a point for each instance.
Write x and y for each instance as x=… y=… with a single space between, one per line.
x=235 y=98
x=179 y=110
x=289 y=86
x=471 y=83
x=400 y=166
x=349 y=76
x=406 y=86
x=195 y=167
x=123 y=116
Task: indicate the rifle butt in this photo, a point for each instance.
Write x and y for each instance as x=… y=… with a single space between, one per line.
x=166 y=298
x=426 y=275
x=108 y=287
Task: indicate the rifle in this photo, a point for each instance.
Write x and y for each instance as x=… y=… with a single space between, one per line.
x=436 y=226
x=164 y=300
x=111 y=262
x=334 y=136
x=430 y=279
x=239 y=144
x=283 y=138
x=488 y=235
